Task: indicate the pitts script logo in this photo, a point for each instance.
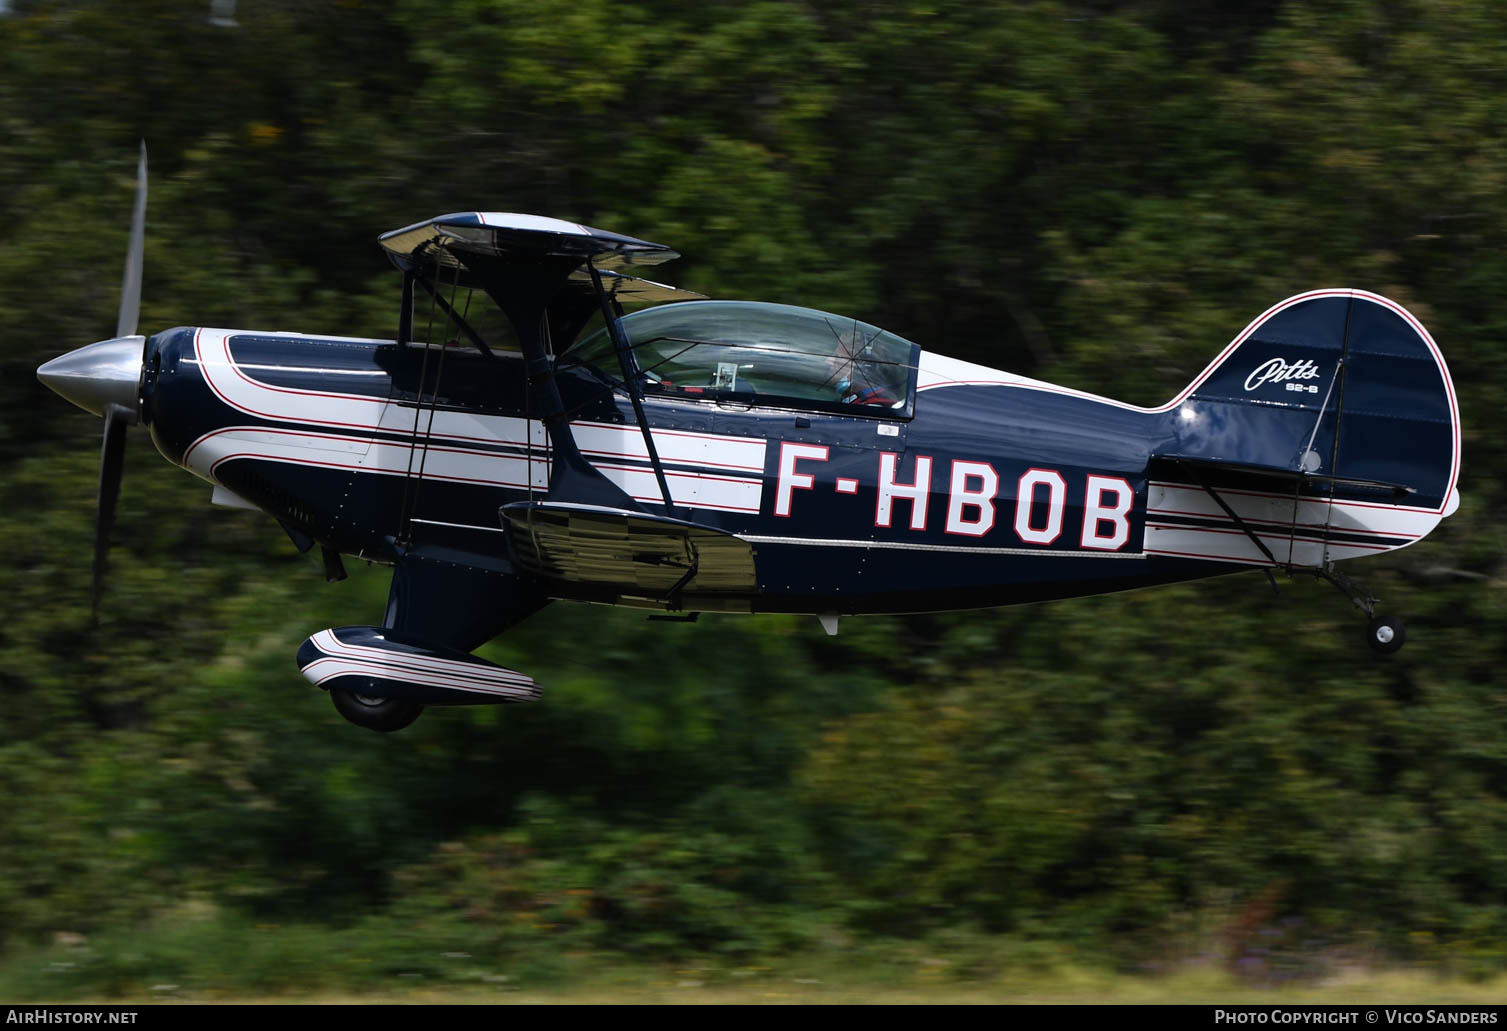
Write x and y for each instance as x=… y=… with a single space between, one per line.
x=1275 y=370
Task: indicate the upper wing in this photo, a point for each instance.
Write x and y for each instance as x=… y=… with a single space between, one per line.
x=445 y=240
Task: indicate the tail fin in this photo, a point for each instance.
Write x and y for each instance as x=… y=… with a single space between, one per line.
x=1329 y=427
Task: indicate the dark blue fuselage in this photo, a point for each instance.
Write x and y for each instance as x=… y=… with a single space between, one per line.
x=1329 y=426
x=846 y=512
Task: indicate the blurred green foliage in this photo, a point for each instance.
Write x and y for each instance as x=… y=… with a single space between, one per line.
x=1096 y=193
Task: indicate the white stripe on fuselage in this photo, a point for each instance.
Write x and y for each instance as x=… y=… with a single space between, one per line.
x=1297 y=531
x=723 y=474
x=692 y=488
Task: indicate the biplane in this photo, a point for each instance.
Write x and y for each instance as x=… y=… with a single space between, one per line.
x=525 y=438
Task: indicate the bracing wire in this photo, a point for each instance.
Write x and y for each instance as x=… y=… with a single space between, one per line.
x=405 y=512
x=439 y=373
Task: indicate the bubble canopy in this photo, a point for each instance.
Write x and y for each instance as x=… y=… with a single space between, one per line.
x=758 y=352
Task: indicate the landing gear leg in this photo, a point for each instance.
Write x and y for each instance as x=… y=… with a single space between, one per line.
x=1385 y=634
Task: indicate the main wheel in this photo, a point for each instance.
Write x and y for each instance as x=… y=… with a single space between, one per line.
x=380 y=714
x=1386 y=634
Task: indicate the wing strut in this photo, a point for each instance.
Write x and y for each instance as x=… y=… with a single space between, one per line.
x=625 y=361
x=523 y=285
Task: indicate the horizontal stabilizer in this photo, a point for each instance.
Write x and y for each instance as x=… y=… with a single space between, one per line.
x=637 y=553
x=1270 y=476
x=381 y=663
x=1266 y=515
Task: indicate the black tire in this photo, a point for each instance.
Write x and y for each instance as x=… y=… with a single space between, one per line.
x=383 y=715
x=1386 y=634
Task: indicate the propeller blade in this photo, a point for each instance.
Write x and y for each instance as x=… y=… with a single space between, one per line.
x=111 y=462
x=130 y=284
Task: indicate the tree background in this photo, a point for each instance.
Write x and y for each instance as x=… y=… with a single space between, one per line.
x=1097 y=193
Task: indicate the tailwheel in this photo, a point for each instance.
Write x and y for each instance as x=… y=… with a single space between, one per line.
x=1386 y=634
x=383 y=715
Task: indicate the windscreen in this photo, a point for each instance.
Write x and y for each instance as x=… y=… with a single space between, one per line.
x=767 y=352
